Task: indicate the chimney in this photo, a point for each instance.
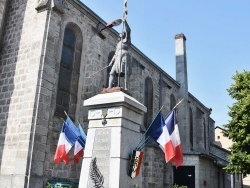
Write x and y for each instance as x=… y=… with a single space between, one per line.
x=181 y=78
x=181 y=63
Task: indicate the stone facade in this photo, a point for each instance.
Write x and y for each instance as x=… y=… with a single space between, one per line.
x=31 y=34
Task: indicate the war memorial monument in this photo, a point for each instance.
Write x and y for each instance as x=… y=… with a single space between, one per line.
x=59 y=56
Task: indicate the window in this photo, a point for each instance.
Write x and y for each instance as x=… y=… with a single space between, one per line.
x=148 y=101
x=69 y=71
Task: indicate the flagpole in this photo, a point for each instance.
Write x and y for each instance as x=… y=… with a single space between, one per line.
x=65 y=113
x=177 y=104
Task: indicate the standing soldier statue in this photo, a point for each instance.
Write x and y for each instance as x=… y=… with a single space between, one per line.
x=121 y=60
x=121 y=57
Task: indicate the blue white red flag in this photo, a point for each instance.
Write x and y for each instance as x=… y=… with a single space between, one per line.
x=79 y=145
x=64 y=145
x=70 y=135
x=166 y=134
x=79 y=141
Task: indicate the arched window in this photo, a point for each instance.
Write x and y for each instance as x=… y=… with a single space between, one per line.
x=69 y=70
x=204 y=133
x=172 y=101
x=148 y=101
x=191 y=130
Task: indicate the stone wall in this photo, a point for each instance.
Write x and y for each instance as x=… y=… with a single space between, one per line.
x=206 y=178
x=156 y=173
x=20 y=64
x=29 y=67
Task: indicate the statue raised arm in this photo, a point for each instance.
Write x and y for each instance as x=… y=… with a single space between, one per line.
x=121 y=55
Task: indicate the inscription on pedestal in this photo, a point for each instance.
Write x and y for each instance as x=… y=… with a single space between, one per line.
x=101 y=151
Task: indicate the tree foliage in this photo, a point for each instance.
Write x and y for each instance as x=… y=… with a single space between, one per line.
x=238 y=128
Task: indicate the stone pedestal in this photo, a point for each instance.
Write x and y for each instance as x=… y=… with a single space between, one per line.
x=114 y=131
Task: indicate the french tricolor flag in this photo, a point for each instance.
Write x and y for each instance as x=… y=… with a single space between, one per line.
x=79 y=141
x=166 y=134
x=64 y=145
x=79 y=145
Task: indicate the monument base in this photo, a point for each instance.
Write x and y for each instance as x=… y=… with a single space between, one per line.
x=114 y=89
x=113 y=133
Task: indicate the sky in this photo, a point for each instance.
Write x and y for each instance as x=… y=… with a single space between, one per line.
x=217 y=45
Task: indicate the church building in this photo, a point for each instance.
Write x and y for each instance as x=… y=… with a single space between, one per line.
x=49 y=50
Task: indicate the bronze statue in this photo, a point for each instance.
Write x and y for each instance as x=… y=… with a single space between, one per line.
x=121 y=56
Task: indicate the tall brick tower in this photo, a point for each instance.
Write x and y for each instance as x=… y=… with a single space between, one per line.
x=182 y=79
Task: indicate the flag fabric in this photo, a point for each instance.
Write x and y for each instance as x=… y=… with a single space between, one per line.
x=63 y=146
x=172 y=125
x=72 y=126
x=71 y=131
x=135 y=163
x=78 y=151
x=79 y=145
x=70 y=135
x=79 y=141
x=166 y=134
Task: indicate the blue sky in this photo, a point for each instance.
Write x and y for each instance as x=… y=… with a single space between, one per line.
x=218 y=41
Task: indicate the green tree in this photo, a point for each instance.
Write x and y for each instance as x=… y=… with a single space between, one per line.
x=238 y=128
